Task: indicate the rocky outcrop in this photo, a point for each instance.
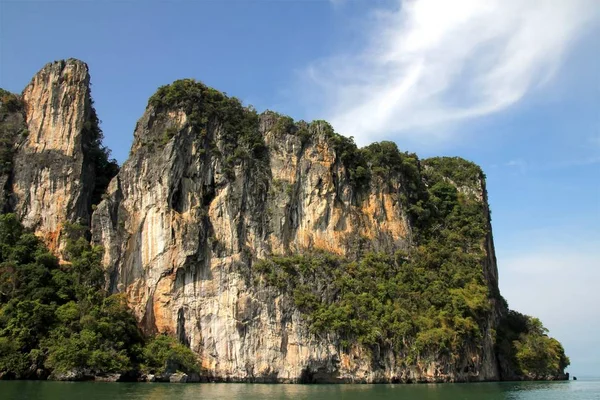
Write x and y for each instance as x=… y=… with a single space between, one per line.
x=181 y=227
x=76 y=375
x=178 y=377
x=55 y=160
x=212 y=188
x=84 y=374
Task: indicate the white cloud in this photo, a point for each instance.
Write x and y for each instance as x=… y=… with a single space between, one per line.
x=432 y=63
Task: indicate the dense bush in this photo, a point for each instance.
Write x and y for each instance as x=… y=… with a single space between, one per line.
x=525 y=343
x=12 y=124
x=383 y=301
x=207 y=109
x=58 y=317
x=105 y=168
x=164 y=354
x=459 y=170
x=10 y=102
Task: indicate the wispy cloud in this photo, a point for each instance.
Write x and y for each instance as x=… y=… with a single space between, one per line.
x=431 y=63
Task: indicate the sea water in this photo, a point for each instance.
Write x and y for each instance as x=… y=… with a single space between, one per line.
x=588 y=389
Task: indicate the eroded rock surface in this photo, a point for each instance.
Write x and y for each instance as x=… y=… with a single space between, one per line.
x=54 y=171
x=209 y=190
x=181 y=228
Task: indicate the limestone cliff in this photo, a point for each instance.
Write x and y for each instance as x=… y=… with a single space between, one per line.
x=199 y=200
x=56 y=160
x=276 y=250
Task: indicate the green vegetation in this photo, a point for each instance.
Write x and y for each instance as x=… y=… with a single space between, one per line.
x=57 y=317
x=382 y=301
x=284 y=124
x=10 y=102
x=168 y=134
x=163 y=352
x=209 y=110
x=12 y=124
x=524 y=341
x=430 y=301
x=105 y=168
x=459 y=170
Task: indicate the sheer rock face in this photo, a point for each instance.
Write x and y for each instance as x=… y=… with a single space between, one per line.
x=52 y=182
x=181 y=228
x=180 y=233
x=193 y=209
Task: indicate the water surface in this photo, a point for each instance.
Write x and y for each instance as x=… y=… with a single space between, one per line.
x=31 y=390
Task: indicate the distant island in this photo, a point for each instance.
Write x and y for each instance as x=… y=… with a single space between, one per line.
x=242 y=247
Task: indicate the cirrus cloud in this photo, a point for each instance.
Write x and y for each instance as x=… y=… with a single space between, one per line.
x=430 y=64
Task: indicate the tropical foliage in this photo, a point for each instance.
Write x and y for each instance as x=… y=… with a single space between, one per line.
x=428 y=301
x=208 y=109
x=58 y=317
x=524 y=341
x=11 y=126
x=163 y=352
x=425 y=303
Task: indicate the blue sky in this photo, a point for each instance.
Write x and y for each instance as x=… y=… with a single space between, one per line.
x=511 y=85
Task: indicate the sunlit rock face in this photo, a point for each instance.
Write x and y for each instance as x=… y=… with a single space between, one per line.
x=53 y=179
x=212 y=189
x=209 y=189
x=181 y=228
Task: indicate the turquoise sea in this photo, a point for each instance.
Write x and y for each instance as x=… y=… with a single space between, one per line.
x=32 y=390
